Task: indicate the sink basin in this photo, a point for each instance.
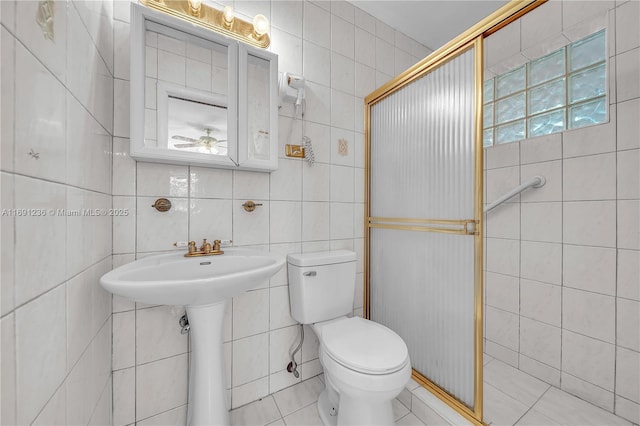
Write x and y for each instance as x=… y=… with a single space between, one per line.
x=204 y=284
x=172 y=279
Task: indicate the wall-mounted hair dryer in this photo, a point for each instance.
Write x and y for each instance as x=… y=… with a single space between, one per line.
x=291 y=88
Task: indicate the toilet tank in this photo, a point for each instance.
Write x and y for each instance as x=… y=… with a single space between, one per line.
x=321 y=285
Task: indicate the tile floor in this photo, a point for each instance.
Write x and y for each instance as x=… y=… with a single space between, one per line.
x=511 y=398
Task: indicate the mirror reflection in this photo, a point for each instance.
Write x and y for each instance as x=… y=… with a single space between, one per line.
x=186 y=88
x=197 y=126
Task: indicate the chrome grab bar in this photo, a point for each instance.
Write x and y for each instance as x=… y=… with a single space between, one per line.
x=534 y=182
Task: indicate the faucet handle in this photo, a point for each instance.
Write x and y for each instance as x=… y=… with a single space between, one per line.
x=216 y=245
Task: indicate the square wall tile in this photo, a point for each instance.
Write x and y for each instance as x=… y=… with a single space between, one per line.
x=243 y=394
x=552 y=189
x=589 y=268
x=588 y=392
x=316 y=63
x=627 y=32
x=286 y=182
x=210 y=219
x=541 y=301
x=589 y=314
x=50 y=230
x=280 y=342
x=503 y=256
x=589 y=223
x=40 y=352
x=504 y=221
x=124 y=169
x=500 y=181
x=627 y=409
x=162 y=180
x=8 y=366
x=540 y=23
x=628 y=124
x=279 y=312
x=628 y=224
x=539 y=370
x=628 y=318
x=250 y=360
x=541 y=149
x=627 y=69
x=588 y=359
x=627 y=373
x=157 y=231
x=589 y=178
x=505 y=155
x=285 y=221
x=316 y=25
x=124 y=340
x=629 y=174
x=541 y=261
x=590 y=140
x=503 y=292
x=250 y=313
x=341 y=215
x=502 y=327
x=210 y=183
x=8 y=225
x=628 y=272
x=315 y=221
x=161 y=385
x=541 y=222
x=124 y=385
x=158 y=334
x=540 y=342
x=38 y=94
x=250 y=228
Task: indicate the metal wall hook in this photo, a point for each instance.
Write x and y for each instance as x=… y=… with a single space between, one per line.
x=250 y=205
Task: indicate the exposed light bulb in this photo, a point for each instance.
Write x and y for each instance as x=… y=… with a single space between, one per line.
x=195 y=7
x=228 y=15
x=260 y=25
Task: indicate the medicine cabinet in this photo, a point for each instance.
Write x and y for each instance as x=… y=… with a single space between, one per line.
x=200 y=98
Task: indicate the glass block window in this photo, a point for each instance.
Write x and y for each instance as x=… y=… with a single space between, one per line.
x=565 y=89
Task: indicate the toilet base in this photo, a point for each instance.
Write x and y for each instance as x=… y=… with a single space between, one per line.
x=354 y=412
x=328 y=413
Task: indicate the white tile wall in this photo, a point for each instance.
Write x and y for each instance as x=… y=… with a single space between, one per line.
x=57 y=102
x=576 y=261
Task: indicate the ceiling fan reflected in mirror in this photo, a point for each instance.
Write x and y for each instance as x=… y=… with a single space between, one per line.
x=207 y=142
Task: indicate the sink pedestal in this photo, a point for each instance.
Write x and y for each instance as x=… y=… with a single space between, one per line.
x=207 y=381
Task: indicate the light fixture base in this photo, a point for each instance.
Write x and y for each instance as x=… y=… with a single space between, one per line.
x=211 y=19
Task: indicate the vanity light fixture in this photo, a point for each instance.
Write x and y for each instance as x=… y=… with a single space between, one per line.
x=228 y=16
x=260 y=26
x=220 y=21
x=194 y=7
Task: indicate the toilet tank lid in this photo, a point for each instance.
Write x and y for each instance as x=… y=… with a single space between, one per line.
x=321 y=258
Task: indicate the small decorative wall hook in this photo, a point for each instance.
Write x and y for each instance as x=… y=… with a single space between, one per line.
x=162 y=205
x=34 y=154
x=250 y=205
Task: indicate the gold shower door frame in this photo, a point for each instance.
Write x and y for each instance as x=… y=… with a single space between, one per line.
x=471 y=227
x=471 y=39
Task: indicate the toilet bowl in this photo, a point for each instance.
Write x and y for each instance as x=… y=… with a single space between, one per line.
x=366 y=364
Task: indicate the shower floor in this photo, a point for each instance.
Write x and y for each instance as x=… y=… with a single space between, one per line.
x=511 y=397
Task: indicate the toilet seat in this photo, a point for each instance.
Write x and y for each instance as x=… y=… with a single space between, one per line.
x=364 y=346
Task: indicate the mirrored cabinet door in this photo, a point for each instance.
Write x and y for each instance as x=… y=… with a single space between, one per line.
x=258 y=132
x=200 y=98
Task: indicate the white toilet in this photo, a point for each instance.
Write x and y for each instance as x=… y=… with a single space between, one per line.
x=366 y=365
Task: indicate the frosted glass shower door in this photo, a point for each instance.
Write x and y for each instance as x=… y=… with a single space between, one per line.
x=424 y=242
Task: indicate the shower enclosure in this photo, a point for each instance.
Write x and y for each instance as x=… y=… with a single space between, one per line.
x=425 y=220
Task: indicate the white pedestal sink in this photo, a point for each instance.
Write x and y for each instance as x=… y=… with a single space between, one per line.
x=204 y=285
